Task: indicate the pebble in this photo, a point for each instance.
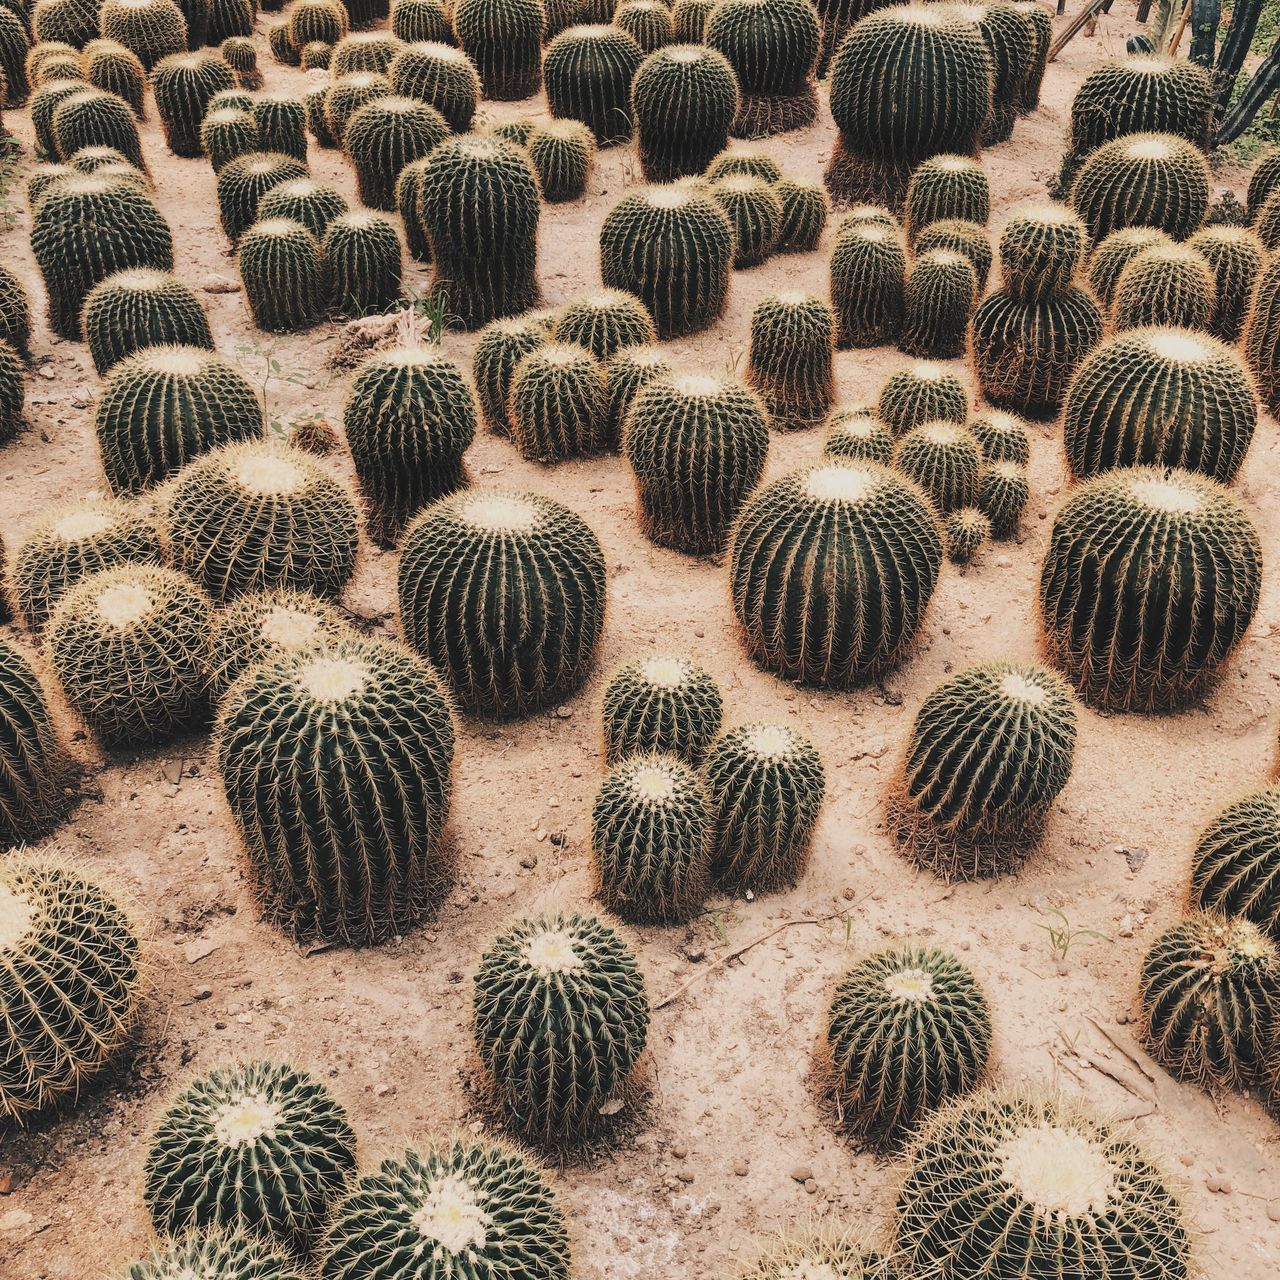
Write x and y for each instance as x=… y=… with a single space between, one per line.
x=564 y=712
x=1217 y=1182
x=529 y=861
x=802 y=1173
x=685 y=1175
x=679 y=1152
x=741 y=1168
x=216 y=284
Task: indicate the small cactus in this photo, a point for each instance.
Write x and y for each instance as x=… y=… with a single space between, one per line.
x=944 y=460
x=919 y=393
x=858 y=435
x=1167 y=286
x=588 y=72
x=243 y=182
x=805 y=208
x=558 y=404
x=1003 y=493
x=956 y=236
x=791 y=358
x=439 y=75
x=241 y=55
x=1114 y=252
x=1261 y=336
x=363 y=264
x=626 y=374
x=1235 y=256
x=966 y=531
x=365 y=51
x=562 y=153
x=498 y=351
x=1002 y=437
x=605 y=322
x=504 y=39
x=141 y=308
x=749 y=164
x=666 y=705
x=414 y=20
x=648 y=22
x=182 y=84
x=324 y=20
x=938 y=297
x=114 y=69
x=1235 y=869
x=314 y=204
x=347 y=94
x=281 y=120
x=755 y=213
x=226 y=134
x=818 y=1253
x=228 y=1256
x=868 y=277
x=683 y=100
x=282 y=270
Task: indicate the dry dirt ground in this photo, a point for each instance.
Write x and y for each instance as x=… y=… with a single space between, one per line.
x=710 y=1172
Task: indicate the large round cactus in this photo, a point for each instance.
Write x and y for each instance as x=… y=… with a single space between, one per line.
x=665 y=704
x=257 y=1147
x=868 y=276
x=1160 y=397
x=34 y=765
x=69 y=983
x=560 y=1018
x=220 y=1254
x=1169 y=285
x=141 y=308
x=182 y=85
x=384 y=136
x=1019 y=1184
x=697 y=447
x=908 y=1029
x=588 y=72
x=684 y=98
x=458 y=1210
x=1235 y=869
x=832 y=570
x=989 y=752
x=504 y=594
x=1154 y=640
x=504 y=39
x=95 y=118
x=337 y=765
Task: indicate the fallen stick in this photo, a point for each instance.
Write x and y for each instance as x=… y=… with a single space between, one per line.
x=1091 y=10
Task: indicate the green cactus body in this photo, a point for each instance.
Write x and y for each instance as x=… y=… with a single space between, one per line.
x=1115 y=252
x=604 y=323
x=504 y=40
x=765 y=787
x=868 y=276
x=283 y=50
x=43 y=103
x=558 y=404
x=1002 y=437
x=955 y=236
x=141 y=308
x=93 y=118
x=69 y=983
x=1210 y=999
x=13 y=378
x=805 y=208
x=227 y=134
x=415 y=20
x=1028 y=96
x=562 y=152
x=439 y=75
x=754 y=212
x=684 y=98
x=314 y=204
x=690 y=18
x=673 y=248
x=242 y=182
x=1040 y=252
x=626 y=374
x=232 y=99
x=164 y=406
x=336 y=764
x=282 y=269
x=1011 y=42
x=1262 y=182
x=34 y=770
x=409 y=418
x=1261 y=337
x=365 y=51
x=241 y=55
x=151 y=29
x=363 y=264
x=315 y=56
x=1169 y=286
x=43 y=53
x=990 y=750
x=230 y=18
x=944 y=460
x=1235 y=256
x=1020 y=1184
x=791 y=358
x=15 y=44
x=697 y=446
x=667 y=705
x=1235 y=869
x=1156 y=640
x=384 y=136
x=247 y=517
x=588 y=72
x=560 y=1018
x=1160 y=397
x=751 y=164
x=64 y=66
x=909 y=1028
x=648 y=22
x=130 y=647
x=183 y=83
x=966 y=531
x=498 y=351
x=938 y=297
x=282 y=125
x=479 y=205
x=816 y=1254
x=1003 y=493
x=324 y=20
x=919 y=393
x=347 y=94
x=114 y=69
x=224 y=1255
x=517 y=131
x=74 y=22
x=455 y=1210
x=651 y=840
x=317 y=125
x=504 y=594
x=855 y=553
x=858 y=435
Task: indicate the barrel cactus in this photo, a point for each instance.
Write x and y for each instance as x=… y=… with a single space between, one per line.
x=805 y=208
x=13 y=378
x=1011 y=41
x=560 y=1018
x=938 y=297
x=850 y=614
x=858 y=435
x=1114 y=252
x=324 y=20
x=1235 y=869
x=697 y=447
x=966 y=530
x=755 y=214
x=1158 y=641
x=347 y=94
x=205 y=1165
x=498 y=352
x=70 y=984
x=226 y=1255
x=626 y=374
x=35 y=768
x=15 y=312
x=648 y=22
x=141 y=308
x=504 y=39
x=791 y=358
x=384 y=136
x=1235 y=256
x=1004 y=490
x=243 y=182
x=1002 y=437
x=439 y=75
x=1169 y=286
x=283 y=275
x=736 y=163
x=130 y=647
x=558 y=403
x=684 y=98
x=1041 y=251
x=226 y=134
x=361 y=729
x=363 y=264
x=944 y=460
x=504 y=594
x=868 y=277
x=241 y=55
x=954 y=235
x=562 y=153
x=921 y=392
x=588 y=72
x=604 y=322
x=151 y=29
x=281 y=120
x=182 y=85
x=664 y=704
x=314 y=204
x=1261 y=337
x=412 y=20
x=114 y=69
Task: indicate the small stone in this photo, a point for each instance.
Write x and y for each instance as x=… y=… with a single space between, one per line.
x=679 y=1151
x=741 y=1168
x=529 y=861
x=564 y=712
x=1273 y=1210
x=685 y=1175
x=802 y=1173
x=201 y=993
x=216 y=284
x=811 y=1186
x=201 y=947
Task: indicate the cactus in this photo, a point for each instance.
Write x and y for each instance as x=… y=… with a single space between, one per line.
x=441 y=76
x=347 y=94
x=251 y=516
x=499 y=350
x=265 y=625
x=673 y=248
x=868 y=276
x=944 y=460
x=314 y=204
x=141 y=308
x=560 y=1017
x=648 y=22
x=504 y=594
x=665 y=705
x=164 y=406
x=86 y=228
x=1235 y=256
x=1143 y=180
x=15 y=312
x=480 y=1209
x=364 y=13
x=204 y=1169
x=364 y=51
x=1003 y=493
x=72 y=542
x=953 y=235
x=858 y=435
x=384 y=136
x=1261 y=337
x=418 y=20
x=130 y=647
x=183 y=83
x=966 y=531
x=317 y=125
x=1011 y=42
x=690 y=18
x=97 y=159
x=73 y=22
x=588 y=72
x=1156 y=641
x=791 y=357
x=34 y=770
x=479 y=206
x=315 y=56
x=409 y=418
x=604 y=323
x=920 y=393
x=13 y=379
x=324 y=20
x=697 y=448
x=504 y=39
x=43 y=102
x=242 y=182
x=227 y=134
x=651 y=840
x=938 y=298
x=336 y=764
x=1002 y=437
x=765 y=787
x=1115 y=252
x=754 y=212
x=627 y=373
x=1262 y=182
x=1160 y=397
x=558 y=403
x=562 y=152
x=1027 y=98
x=772 y=46
x=912 y=53
x=1169 y=287
x=855 y=552
x=909 y=1028
x=94 y=118
x=69 y=985
x=283 y=275
x=684 y=98
x=363 y=264
x=227 y=1256
x=230 y=19
x=819 y=1253
x=517 y=131
x=804 y=215
x=1040 y=252
x=282 y=125
x=46 y=54
x=1235 y=869
x=282 y=48
x=1210 y=1000
x=1022 y=1185
x=150 y=29
x=114 y=69
x=241 y=55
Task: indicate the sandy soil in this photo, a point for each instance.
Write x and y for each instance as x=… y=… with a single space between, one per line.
x=733 y=1117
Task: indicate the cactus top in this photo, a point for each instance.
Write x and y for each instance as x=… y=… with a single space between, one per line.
x=551 y=952
x=909 y=986
x=499 y=513
x=1180 y=346
x=333 y=678
x=770 y=741
x=290 y=628
x=1165 y=493
x=1062 y=1172
x=245 y=1119
x=664 y=672
x=122 y=605
x=1149 y=147
x=17 y=917
x=653 y=782
x=83 y=522
x=839 y=484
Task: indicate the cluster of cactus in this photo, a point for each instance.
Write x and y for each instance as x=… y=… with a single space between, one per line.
x=665 y=705
x=684 y=99
x=957 y=235
x=498 y=352
x=560 y=1018
x=34 y=765
x=588 y=72
x=989 y=752
x=337 y=763
x=1235 y=869
x=208 y=1162
x=141 y=308
x=908 y=1029
x=1153 y=641
x=504 y=594
x=243 y=182
x=868 y=272
x=504 y=40
x=790 y=361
